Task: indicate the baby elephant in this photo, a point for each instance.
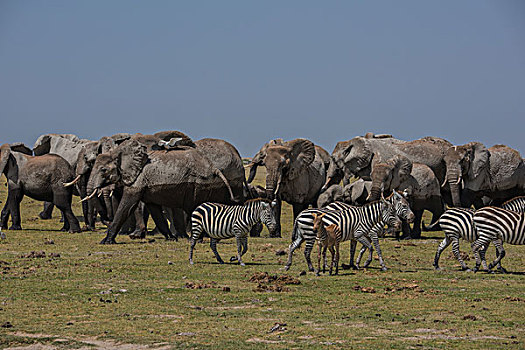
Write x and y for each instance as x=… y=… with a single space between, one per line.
x=328 y=237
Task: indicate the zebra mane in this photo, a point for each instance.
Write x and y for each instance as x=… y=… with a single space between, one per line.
x=257 y=200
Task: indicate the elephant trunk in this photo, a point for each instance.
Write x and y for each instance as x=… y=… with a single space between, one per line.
x=273 y=182
x=453 y=177
x=334 y=175
x=253 y=171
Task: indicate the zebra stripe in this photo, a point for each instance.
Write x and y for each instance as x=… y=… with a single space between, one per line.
x=496 y=223
x=356 y=223
x=458 y=223
x=516 y=204
x=222 y=221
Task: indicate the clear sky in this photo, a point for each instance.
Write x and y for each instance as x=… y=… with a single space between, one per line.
x=249 y=71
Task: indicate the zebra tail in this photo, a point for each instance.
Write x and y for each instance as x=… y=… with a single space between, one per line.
x=294 y=232
x=434 y=226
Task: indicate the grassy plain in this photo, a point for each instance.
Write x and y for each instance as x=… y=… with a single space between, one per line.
x=145 y=294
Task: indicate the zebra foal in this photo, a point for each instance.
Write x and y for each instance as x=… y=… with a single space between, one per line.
x=222 y=221
x=328 y=237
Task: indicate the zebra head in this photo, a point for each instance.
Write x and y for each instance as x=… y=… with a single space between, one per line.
x=402 y=207
x=389 y=215
x=267 y=215
x=318 y=222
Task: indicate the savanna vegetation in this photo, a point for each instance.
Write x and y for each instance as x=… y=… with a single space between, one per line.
x=62 y=290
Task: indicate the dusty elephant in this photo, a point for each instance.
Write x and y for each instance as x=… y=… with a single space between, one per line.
x=180 y=178
x=334 y=193
x=295 y=173
x=417 y=180
x=39 y=177
x=473 y=171
x=357 y=192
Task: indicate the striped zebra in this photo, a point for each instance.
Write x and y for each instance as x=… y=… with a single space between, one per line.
x=222 y=221
x=356 y=223
x=458 y=223
x=402 y=210
x=516 y=204
x=496 y=223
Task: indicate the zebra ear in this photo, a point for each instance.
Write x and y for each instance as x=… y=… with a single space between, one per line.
x=265 y=205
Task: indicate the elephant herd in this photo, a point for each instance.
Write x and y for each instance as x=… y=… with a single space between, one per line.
x=124 y=178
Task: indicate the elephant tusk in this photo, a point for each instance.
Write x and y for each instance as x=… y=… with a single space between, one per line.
x=90 y=196
x=444 y=183
x=248 y=166
x=99 y=193
x=67 y=184
x=278 y=185
x=111 y=193
x=459 y=180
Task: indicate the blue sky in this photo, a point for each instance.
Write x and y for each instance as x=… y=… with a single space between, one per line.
x=249 y=71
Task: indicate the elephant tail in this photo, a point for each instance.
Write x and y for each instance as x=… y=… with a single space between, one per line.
x=225 y=180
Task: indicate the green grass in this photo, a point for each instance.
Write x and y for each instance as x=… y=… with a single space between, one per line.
x=57 y=301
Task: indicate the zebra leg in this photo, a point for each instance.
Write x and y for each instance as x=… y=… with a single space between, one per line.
x=213 y=246
x=353 y=244
x=455 y=250
x=480 y=247
x=324 y=258
x=336 y=258
x=442 y=246
x=375 y=241
x=332 y=251
x=365 y=242
x=295 y=244
x=307 y=252
x=192 y=246
x=241 y=243
x=317 y=272
x=501 y=253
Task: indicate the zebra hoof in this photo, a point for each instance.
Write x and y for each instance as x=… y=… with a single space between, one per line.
x=242 y=264
x=286 y=267
x=437 y=268
x=233 y=258
x=383 y=268
x=191 y=262
x=502 y=270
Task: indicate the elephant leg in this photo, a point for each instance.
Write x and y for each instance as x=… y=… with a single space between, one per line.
x=140 y=223
x=442 y=246
x=277 y=213
x=100 y=206
x=47 y=212
x=213 y=246
x=4 y=218
x=181 y=221
x=62 y=200
x=14 y=197
x=126 y=207
x=416 y=228
x=160 y=220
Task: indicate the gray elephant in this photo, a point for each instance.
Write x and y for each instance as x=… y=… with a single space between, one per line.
x=356 y=156
x=39 y=177
x=295 y=173
x=68 y=146
x=357 y=192
x=473 y=171
x=180 y=178
x=416 y=180
x=334 y=193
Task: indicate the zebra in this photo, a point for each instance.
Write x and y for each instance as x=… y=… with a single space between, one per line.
x=356 y=223
x=458 y=223
x=402 y=210
x=516 y=204
x=222 y=221
x=496 y=223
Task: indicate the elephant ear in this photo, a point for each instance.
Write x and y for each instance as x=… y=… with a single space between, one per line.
x=302 y=154
x=404 y=166
x=42 y=145
x=5 y=153
x=20 y=147
x=481 y=159
x=359 y=154
x=131 y=158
